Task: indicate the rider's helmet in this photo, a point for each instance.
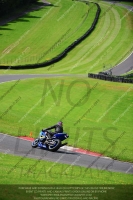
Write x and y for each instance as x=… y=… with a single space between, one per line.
x=60 y=123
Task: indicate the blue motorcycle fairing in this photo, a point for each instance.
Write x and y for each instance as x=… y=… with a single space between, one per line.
x=60 y=136
x=42 y=145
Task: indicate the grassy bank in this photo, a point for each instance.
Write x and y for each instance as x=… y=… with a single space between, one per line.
x=108 y=45
x=96 y=114
x=32 y=171
x=43 y=34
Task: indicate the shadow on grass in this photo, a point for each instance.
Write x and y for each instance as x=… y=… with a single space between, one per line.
x=2 y=28
x=55 y=6
x=20 y=16
x=25 y=18
x=28 y=16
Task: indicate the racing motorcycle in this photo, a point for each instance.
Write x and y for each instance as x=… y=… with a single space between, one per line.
x=51 y=144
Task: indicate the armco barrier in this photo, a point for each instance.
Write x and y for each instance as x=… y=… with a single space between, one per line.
x=64 y=53
x=121 y=79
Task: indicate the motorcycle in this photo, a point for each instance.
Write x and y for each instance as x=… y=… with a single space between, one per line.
x=51 y=144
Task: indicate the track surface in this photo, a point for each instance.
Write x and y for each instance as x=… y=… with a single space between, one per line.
x=123 y=67
x=23 y=148
x=8 y=78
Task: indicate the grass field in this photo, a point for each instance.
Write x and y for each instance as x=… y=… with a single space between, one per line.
x=51 y=29
x=95 y=113
x=106 y=46
x=30 y=171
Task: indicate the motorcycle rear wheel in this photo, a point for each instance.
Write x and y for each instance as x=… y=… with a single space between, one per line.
x=56 y=146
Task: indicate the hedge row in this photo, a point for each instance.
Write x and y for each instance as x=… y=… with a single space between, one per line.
x=128 y=75
x=121 y=79
x=64 y=53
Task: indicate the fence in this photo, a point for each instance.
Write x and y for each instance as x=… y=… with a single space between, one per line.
x=105 y=77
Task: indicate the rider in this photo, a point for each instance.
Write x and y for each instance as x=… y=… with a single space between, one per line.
x=58 y=129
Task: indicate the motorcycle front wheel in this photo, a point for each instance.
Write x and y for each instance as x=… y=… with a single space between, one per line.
x=34 y=143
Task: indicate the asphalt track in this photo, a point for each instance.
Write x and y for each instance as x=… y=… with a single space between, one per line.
x=123 y=67
x=8 y=78
x=17 y=146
